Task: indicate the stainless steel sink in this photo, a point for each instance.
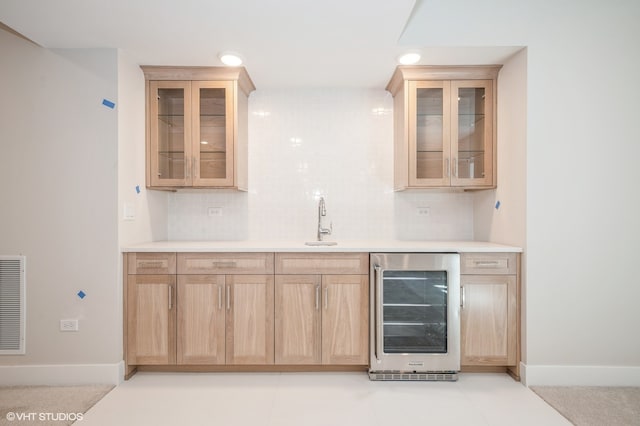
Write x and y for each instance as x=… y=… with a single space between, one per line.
x=321 y=243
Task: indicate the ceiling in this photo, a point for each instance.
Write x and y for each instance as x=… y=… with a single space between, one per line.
x=285 y=43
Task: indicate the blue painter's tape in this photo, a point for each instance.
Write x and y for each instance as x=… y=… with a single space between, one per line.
x=108 y=103
x=497 y=204
x=137 y=189
x=81 y=294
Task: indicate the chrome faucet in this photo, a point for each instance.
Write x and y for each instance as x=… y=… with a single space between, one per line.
x=322 y=211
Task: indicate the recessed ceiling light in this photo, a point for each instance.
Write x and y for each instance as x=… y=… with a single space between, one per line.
x=409 y=58
x=230 y=59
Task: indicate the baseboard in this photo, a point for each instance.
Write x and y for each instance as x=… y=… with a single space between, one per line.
x=61 y=375
x=571 y=375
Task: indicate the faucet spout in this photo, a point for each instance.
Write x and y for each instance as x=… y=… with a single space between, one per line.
x=322 y=211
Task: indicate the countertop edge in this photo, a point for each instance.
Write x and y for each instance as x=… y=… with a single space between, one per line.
x=351 y=246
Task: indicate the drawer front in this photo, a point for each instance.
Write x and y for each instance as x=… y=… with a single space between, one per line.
x=225 y=263
x=322 y=263
x=151 y=263
x=488 y=263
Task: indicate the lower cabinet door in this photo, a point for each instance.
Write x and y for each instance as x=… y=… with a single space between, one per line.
x=297 y=319
x=201 y=319
x=345 y=313
x=151 y=319
x=488 y=320
x=249 y=319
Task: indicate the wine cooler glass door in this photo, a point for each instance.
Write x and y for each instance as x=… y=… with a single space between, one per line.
x=414 y=311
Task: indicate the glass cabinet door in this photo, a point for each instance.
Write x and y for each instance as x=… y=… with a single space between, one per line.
x=429 y=126
x=213 y=133
x=169 y=105
x=472 y=144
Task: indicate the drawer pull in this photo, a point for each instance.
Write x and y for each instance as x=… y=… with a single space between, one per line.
x=228 y=298
x=487 y=263
x=150 y=264
x=170 y=297
x=218 y=264
x=317 y=296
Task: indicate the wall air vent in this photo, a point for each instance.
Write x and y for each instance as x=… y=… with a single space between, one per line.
x=12 y=305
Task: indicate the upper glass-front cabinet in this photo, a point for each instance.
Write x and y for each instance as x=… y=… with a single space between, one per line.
x=444 y=127
x=197 y=128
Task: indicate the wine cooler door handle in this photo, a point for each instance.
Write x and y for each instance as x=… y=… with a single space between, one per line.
x=379 y=323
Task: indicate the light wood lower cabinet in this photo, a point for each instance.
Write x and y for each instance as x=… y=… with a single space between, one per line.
x=321 y=319
x=322 y=308
x=249 y=319
x=298 y=327
x=201 y=319
x=345 y=315
x=151 y=320
x=488 y=320
x=490 y=311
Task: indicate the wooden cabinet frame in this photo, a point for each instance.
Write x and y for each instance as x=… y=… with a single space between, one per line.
x=237 y=85
x=403 y=85
x=490 y=312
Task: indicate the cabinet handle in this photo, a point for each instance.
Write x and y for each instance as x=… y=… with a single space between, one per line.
x=486 y=263
x=446 y=163
x=194 y=168
x=378 y=311
x=170 y=297
x=150 y=264
x=217 y=264
x=228 y=297
x=187 y=168
x=455 y=167
x=462 y=297
x=317 y=297
x=219 y=297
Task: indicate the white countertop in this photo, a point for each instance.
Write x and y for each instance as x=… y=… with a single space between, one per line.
x=342 y=246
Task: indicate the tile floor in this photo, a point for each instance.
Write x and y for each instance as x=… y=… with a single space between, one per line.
x=327 y=399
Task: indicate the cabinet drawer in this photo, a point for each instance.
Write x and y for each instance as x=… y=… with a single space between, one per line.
x=488 y=263
x=322 y=263
x=151 y=263
x=225 y=263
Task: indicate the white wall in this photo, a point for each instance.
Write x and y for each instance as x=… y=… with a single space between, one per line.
x=310 y=142
x=149 y=207
x=582 y=146
x=506 y=223
x=58 y=183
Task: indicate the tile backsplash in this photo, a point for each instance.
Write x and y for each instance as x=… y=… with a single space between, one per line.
x=307 y=143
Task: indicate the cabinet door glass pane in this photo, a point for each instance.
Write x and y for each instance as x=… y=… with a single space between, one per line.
x=471 y=122
x=212 y=133
x=171 y=141
x=429 y=133
x=414 y=311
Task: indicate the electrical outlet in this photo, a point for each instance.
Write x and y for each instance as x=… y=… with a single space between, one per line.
x=69 y=325
x=214 y=211
x=423 y=211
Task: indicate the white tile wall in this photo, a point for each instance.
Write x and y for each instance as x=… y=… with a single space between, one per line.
x=307 y=143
